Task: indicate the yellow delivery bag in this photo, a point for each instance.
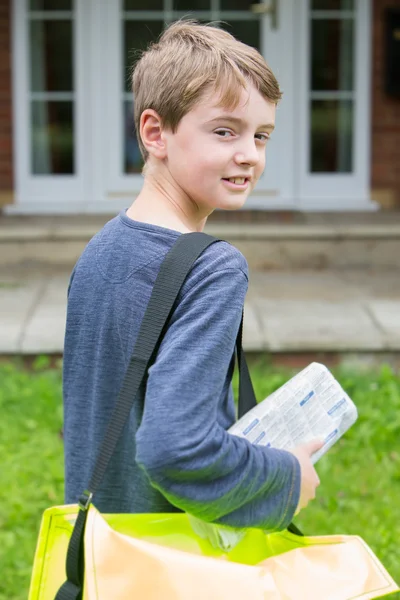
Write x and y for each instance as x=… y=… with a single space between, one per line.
x=159 y=557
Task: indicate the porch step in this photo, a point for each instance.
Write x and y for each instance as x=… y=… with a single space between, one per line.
x=340 y=242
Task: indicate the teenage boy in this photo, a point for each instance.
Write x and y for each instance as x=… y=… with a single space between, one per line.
x=204 y=112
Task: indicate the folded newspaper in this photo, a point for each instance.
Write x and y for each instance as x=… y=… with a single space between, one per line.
x=311 y=405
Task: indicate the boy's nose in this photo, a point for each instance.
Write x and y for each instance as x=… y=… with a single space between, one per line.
x=250 y=156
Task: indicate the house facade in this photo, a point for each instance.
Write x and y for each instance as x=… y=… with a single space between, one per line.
x=67 y=142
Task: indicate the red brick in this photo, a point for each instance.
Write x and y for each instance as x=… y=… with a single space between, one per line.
x=303 y=359
x=385 y=131
x=6 y=170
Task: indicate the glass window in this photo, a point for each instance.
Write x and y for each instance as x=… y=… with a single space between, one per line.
x=332 y=5
x=51 y=89
x=52 y=138
x=133 y=161
x=137 y=36
x=331 y=90
x=191 y=5
x=333 y=54
x=245 y=31
x=237 y=4
x=51 y=4
x=332 y=136
x=143 y=5
x=51 y=65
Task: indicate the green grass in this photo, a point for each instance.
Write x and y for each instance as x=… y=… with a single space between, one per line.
x=31 y=477
x=360 y=476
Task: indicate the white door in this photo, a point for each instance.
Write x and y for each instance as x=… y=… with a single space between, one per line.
x=333 y=91
x=131 y=24
x=74 y=146
x=49 y=87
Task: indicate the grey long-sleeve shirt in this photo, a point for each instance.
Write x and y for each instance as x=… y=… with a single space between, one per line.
x=175 y=452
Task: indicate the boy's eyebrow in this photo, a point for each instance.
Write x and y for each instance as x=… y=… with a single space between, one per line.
x=239 y=121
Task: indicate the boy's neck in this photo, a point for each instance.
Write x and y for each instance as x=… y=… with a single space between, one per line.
x=158 y=207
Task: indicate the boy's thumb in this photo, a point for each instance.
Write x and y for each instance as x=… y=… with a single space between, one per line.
x=314 y=446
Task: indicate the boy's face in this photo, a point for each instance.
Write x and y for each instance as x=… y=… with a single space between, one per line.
x=209 y=147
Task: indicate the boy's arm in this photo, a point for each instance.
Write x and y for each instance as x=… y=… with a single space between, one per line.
x=185 y=452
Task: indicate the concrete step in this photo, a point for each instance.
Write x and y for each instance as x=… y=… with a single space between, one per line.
x=316 y=242
x=301 y=312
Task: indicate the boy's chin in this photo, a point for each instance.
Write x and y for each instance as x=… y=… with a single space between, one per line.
x=234 y=203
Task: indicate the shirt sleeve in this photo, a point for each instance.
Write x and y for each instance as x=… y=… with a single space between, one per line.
x=187 y=455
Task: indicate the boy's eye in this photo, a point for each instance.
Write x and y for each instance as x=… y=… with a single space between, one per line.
x=263 y=136
x=223 y=131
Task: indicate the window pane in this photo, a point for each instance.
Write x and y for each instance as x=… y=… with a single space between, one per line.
x=137 y=36
x=52 y=147
x=51 y=4
x=133 y=161
x=332 y=5
x=237 y=4
x=245 y=31
x=192 y=5
x=331 y=136
x=51 y=56
x=143 y=5
x=332 y=54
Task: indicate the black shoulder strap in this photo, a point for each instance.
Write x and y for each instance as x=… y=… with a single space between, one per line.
x=173 y=272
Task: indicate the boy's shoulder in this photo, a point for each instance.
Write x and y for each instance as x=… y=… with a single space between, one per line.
x=154 y=241
x=222 y=268
x=222 y=256
x=123 y=248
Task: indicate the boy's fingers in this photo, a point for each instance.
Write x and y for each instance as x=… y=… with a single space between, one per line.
x=314 y=446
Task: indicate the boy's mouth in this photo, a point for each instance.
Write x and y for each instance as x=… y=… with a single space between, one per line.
x=239 y=183
x=237 y=179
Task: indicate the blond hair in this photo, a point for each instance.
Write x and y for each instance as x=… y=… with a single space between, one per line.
x=188 y=60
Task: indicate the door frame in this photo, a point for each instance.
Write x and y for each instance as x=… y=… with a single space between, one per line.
x=48 y=193
x=99 y=185
x=319 y=192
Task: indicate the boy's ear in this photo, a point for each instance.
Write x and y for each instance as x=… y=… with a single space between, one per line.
x=151 y=133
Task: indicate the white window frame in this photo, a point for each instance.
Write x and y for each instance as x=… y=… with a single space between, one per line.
x=336 y=191
x=47 y=193
x=99 y=184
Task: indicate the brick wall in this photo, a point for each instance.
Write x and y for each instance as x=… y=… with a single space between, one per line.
x=6 y=177
x=385 y=171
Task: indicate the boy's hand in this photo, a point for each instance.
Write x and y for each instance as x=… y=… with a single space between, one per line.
x=309 y=478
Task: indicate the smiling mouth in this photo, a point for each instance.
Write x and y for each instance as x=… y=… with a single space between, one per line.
x=242 y=185
x=236 y=180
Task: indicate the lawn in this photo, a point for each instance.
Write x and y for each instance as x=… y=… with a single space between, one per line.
x=360 y=477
